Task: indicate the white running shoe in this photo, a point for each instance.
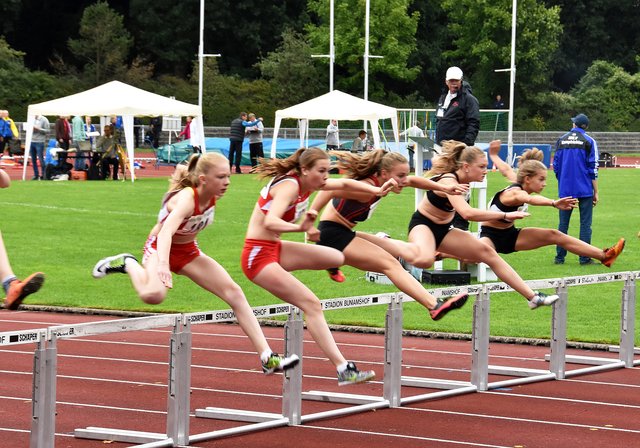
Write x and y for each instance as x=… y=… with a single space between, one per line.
x=541 y=299
x=110 y=265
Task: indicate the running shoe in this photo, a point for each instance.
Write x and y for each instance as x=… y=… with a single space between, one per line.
x=336 y=275
x=611 y=253
x=383 y=235
x=541 y=299
x=110 y=265
x=278 y=363
x=351 y=375
x=446 y=304
x=19 y=289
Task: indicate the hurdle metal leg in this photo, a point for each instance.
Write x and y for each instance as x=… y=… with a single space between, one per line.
x=179 y=383
x=292 y=387
x=43 y=406
x=393 y=352
x=559 y=332
x=627 y=322
x=480 y=341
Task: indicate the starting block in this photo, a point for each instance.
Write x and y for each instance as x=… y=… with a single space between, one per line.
x=446 y=277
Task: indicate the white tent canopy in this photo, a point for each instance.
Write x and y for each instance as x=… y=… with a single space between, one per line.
x=339 y=106
x=116 y=98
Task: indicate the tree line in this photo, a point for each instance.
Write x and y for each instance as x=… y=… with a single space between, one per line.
x=571 y=56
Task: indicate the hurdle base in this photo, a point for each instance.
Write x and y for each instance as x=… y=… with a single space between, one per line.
x=237 y=415
x=433 y=383
x=337 y=397
x=516 y=371
x=588 y=360
x=118 y=435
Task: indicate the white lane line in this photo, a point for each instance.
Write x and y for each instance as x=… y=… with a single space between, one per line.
x=79 y=210
x=403 y=436
x=602 y=383
x=516 y=419
x=569 y=400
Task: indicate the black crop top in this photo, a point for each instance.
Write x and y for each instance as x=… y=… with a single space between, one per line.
x=356 y=211
x=498 y=206
x=440 y=202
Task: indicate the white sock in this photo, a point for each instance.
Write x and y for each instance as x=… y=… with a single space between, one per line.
x=128 y=261
x=342 y=367
x=264 y=356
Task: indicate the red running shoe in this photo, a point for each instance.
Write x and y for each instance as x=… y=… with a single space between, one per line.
x=336 y=275
x=611 y=253
x=19 y=289
x=446 y=304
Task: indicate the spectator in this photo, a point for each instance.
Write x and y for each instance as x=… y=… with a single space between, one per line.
x=333 y=139
x=360 y=142
x=137 y=129
x=156 y=126
x=107 y=154
x=117 y=128
x=8 y=134
x=236 y=138
x=255 y=140
x=498 y=103
x=63 y=132
x=458 y=112
x=41 y=127
x=81 y=143
x=186 y=132
x=457 y=118
x=16 y=290
x=575 y=164
x=413 y=131
x=90 y=129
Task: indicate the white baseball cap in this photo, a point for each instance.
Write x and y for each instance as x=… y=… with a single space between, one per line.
x=453 y=73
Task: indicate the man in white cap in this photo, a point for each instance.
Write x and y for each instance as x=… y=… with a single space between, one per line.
x=458 y=111
x=457 y=118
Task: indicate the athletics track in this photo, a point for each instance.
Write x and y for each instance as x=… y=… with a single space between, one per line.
x=119 y=380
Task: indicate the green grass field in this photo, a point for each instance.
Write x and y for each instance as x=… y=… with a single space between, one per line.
x=63 y=228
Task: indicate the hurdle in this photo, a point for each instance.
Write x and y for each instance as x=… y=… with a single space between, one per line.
x=178 y=387
x=292 y=388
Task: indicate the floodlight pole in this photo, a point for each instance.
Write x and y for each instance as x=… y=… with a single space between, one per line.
x=512 y=82
x=332 y=54
x=367 y=55
x=201 y=55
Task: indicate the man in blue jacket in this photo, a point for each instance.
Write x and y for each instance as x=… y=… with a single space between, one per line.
x=575 y=164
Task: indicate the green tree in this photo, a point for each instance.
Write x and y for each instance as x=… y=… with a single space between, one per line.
x=291 y=72
x=19 y=86
x=104 y=42
x=482 y=43
x=595 y=30
x=610 y=96
x=392 y=31
x=166 y=33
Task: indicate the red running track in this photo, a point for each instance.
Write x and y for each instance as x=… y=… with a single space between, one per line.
x=119 y=381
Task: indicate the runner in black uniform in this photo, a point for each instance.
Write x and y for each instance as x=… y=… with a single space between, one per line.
x=430 y=226
x=502 y=234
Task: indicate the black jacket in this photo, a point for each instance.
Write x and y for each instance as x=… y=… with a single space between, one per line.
x=236 y=130
x=461 y=120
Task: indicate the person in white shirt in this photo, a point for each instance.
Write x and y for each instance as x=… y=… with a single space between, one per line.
x=333 y=139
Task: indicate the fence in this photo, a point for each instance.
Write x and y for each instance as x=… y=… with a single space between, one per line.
x=178 y=382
